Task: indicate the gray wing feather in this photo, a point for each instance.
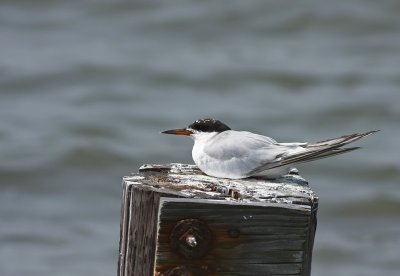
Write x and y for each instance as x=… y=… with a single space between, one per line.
x=315 y=151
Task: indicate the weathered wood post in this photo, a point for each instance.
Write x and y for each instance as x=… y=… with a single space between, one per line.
x=177 y=221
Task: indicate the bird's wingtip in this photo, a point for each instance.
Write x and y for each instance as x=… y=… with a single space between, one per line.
x=371 y=132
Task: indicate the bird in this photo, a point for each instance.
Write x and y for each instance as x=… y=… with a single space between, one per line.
x=221 y=152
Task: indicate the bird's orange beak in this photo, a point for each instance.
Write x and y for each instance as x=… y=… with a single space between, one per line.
x=181 y=131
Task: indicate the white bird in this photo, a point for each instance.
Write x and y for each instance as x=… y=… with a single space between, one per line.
x=221 y=152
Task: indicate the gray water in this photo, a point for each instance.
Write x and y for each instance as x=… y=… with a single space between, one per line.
x=86 y=86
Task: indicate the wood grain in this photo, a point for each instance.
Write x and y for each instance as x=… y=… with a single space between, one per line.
x=258 y=227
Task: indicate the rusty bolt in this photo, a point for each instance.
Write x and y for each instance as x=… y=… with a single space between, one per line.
x=191 y=241
x=191 y=238
x=234 y=194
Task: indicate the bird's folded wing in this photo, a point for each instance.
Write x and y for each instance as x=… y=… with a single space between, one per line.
x=246 y=151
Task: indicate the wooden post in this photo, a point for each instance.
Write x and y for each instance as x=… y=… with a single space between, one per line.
x=177 y=221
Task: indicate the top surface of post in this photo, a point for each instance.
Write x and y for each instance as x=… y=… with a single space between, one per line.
x=182 y=180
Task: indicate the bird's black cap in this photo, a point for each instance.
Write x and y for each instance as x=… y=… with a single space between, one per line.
x=208 y=125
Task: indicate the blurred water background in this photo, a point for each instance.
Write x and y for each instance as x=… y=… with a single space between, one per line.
x=86 y=86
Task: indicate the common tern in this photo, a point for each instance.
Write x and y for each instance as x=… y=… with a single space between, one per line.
x=222 y=152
